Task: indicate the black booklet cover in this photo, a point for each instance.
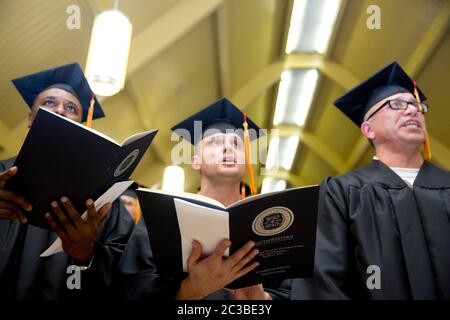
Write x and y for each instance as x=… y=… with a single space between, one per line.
x=61 y=157
x=282 y=223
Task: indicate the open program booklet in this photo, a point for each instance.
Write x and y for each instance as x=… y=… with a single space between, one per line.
x=282 y=223
x=61 y=157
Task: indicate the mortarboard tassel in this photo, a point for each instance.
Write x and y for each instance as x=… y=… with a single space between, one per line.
x=243 y=195
x=248 y=157
x=426 y=143
x=90 y=115
x=138 y=212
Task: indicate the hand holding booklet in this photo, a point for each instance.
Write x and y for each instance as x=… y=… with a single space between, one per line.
x=61 y=157
x=109 y=196
x=282 y=224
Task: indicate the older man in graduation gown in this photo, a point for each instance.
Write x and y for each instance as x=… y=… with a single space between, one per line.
x=384 y=230
x=93 y=246
x=221 y=162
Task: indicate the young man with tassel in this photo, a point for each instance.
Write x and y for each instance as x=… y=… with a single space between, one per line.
x=384 y=230
x=221 y=134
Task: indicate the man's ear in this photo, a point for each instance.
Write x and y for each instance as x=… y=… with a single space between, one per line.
x=196 y=162
x=367 y=130
x=30 y=118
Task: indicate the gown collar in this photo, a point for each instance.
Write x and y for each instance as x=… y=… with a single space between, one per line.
x=429 y=176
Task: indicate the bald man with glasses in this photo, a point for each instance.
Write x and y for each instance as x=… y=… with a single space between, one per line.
x=384 y=230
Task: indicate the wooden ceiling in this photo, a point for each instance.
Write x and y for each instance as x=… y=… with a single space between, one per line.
x=187 y=53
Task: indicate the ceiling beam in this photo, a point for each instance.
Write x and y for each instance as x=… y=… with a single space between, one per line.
x=315 y=144
x=267 y=77
x=321 y=149
x=167 y=30
x=334 y=71
x=139 y=105
x=134 y=92
x=223 y=50
x=430 y=41
x=271 y=74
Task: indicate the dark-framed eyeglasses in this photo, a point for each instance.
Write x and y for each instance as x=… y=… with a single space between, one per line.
x=396 y=104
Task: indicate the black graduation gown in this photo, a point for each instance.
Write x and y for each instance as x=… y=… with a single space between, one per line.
x=141 y=278
x=24 y=275
x=371 y=217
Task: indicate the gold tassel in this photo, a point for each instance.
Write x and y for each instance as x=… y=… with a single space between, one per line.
x=90 y=115
x=426 y=143
x=248 y=157
x=138 y=212
x=243 y=194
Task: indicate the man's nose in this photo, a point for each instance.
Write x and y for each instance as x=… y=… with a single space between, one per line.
x=59 y=109
x=411 y=109
x=227 y=145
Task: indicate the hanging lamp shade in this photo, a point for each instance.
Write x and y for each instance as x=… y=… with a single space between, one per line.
x=108 y=53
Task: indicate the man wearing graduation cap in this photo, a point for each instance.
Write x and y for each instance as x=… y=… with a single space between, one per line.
x=220 y=144
x=384 y=230
x=94 y=246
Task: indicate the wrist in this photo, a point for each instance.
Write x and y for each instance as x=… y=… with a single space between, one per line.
x=84 y=265
x=187 y=291
x=83 y=255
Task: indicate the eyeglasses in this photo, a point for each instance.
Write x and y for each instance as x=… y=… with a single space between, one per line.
x=401 y=105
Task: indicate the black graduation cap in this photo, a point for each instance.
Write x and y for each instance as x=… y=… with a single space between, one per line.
x=221 y=116
x=69 y=77
x=390 y=80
